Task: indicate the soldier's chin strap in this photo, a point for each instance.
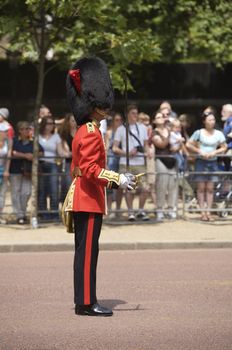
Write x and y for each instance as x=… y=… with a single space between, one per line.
x=102 y=112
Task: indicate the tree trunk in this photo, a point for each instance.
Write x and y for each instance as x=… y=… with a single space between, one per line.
x=38 y=102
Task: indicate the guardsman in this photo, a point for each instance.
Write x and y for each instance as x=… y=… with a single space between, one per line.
x=90 y=95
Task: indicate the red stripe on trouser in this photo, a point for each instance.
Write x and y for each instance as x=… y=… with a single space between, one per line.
x=88 y=251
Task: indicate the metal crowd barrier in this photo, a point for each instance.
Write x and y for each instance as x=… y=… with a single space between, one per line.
x=187 y=206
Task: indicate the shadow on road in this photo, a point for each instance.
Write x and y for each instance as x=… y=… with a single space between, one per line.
x=113 y=304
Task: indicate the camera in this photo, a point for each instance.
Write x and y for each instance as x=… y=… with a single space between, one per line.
x=140 y=149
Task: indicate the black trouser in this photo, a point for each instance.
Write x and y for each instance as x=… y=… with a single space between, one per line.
x=87 y=231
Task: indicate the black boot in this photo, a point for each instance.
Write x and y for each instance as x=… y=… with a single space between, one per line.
x=93 y=310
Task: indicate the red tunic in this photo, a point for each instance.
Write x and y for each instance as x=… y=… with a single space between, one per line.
x=89 y=162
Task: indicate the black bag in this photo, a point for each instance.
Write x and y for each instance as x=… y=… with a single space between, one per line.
x=168 y=162
x=140 y=149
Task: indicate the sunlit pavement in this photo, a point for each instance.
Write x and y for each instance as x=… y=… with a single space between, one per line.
x=162 y=299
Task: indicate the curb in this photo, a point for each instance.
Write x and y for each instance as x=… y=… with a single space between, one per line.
x=23 y=248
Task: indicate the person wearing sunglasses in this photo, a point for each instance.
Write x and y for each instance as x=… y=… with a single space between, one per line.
x=207 y=143
x=226 y=117
x=48 y=167
x=113 y=163
x=66 y=131
x=20 y=171
x=5 y=154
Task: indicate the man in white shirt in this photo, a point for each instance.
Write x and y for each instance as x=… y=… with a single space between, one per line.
x=138 y=145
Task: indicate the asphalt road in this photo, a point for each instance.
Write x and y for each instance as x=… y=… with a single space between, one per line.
x=168 y=299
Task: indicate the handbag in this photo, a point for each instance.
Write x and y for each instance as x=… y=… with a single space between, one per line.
x=164 y=154
x=169 y=162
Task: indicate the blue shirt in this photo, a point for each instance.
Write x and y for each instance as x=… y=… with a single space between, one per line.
x=208 y=143
x=17 y=165
x=227 y=130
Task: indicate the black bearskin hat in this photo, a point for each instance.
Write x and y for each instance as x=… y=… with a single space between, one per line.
x=89 y=86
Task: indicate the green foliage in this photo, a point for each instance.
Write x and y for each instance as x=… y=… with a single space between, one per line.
x=211 y=32
x=109 y=28
x=194 y=30
x=122 y=32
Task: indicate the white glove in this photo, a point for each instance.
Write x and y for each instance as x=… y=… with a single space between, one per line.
x=127 y=181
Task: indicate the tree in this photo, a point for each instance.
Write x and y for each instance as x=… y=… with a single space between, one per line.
x=30 y=30
x=121 y=32
x=194 y=30
x=71 y=28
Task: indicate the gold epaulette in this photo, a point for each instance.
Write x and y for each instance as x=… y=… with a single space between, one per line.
x=110 y=176
x=90 y=127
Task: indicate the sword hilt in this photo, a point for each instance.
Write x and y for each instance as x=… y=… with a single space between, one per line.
x=138 y=178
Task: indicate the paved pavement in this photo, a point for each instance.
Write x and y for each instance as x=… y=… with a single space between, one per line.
x=162 y=300
x=172 y=235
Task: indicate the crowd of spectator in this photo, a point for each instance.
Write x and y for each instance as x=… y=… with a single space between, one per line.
x=162 y=147
x=159 y=146
x=16 y=155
